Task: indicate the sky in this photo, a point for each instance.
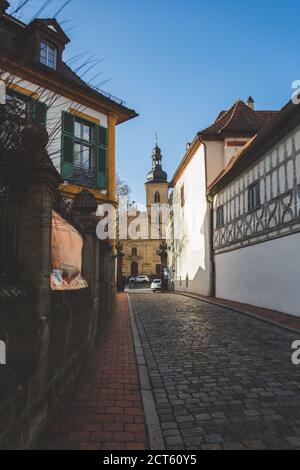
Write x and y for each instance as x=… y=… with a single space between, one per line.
x=179 y=63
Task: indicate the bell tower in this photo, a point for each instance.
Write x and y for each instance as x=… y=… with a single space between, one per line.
x=157 y=181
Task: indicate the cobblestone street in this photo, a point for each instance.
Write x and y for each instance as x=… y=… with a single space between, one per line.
x=221 y=380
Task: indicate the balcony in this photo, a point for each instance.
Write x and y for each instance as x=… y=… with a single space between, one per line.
x=80 y=175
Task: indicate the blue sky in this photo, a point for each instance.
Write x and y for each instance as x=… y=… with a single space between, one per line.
x=178 y=63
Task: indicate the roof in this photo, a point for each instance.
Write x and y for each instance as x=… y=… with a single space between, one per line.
x=274 y=131
x=157 y=174
x=240 y=119
x=11 y=32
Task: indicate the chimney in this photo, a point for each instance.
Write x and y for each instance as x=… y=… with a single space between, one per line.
x=250 y=102
x=4 y=4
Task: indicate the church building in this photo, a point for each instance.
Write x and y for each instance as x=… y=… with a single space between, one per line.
x=141 y=255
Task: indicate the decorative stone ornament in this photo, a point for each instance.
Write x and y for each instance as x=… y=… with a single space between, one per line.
x=85 y=202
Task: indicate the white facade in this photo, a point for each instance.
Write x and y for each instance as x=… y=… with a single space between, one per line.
x=57 y=104
x=188 y=230
x=190 y=253
x=257 y=255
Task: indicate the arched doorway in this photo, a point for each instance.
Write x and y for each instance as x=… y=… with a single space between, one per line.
x=134 y=269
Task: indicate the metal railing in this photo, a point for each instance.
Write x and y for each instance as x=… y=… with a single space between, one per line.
x=109 y=96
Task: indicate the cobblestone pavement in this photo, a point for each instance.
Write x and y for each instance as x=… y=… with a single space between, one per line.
x=221 y=380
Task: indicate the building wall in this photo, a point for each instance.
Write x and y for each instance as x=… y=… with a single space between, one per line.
x=215 y=159
x=265 y=275
x=146 y=258
x=257 y=259
x=189 y=260
x=57 y=104
x=152 y=188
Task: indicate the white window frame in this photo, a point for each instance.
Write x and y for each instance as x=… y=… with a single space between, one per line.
x=48 y=47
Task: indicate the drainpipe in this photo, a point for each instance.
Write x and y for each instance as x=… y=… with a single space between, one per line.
x=210 y=203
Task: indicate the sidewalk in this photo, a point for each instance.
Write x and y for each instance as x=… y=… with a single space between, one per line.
x=272 y=316
x=105 y=410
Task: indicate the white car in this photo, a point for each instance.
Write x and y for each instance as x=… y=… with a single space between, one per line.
x=156 y=285
x=142 y=280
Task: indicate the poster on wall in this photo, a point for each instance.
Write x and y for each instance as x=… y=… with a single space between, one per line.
x=66 y=256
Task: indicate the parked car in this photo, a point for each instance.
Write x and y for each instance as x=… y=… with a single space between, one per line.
x=142 y=280
x=156 y=285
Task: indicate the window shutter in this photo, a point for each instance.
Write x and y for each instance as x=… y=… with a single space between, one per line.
x=67 y=146
x=67 y=157
x=102 y=157
x=102 y=136
x=101 y=177
x=68 y=123
x=39 y=112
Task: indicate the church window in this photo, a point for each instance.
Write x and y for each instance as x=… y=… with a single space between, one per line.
x=134 y=269
x=157 y=197
x=134 y=251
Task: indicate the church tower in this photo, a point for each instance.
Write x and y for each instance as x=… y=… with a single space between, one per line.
x=157 y=181
x=141 y=257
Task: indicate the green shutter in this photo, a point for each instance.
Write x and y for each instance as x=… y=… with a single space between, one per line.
x=68 y=123
x=39 y=112
x=102 y=136
x=67 y=157
x=101 y=176
x=102 y=157
x=67 y=146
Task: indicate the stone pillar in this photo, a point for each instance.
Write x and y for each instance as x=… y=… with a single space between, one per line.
x=163 y=253
x=120 y=256
x=36 y=186
x=84 y=215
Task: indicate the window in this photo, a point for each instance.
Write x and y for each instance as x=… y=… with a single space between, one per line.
x=48 y=55
x=18 y=105
x=182 y=197
x=220 y=216
x=134 y=252
x=20 y=109
x=134 y=269
x=83 y=145
x=253 y=196
x=84 y=151
x=157 y=197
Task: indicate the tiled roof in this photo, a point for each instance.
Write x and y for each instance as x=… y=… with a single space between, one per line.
x=273 y=131
x=240 y=118
x=11 y=30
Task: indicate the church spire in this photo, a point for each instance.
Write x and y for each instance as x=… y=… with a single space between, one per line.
x=157 y=175
x=156 y=157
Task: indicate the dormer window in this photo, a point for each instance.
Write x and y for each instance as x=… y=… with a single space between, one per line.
x=48 y=55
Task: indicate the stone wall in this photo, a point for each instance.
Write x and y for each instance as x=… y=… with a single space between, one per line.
x=47 y=334
x=44 y=357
